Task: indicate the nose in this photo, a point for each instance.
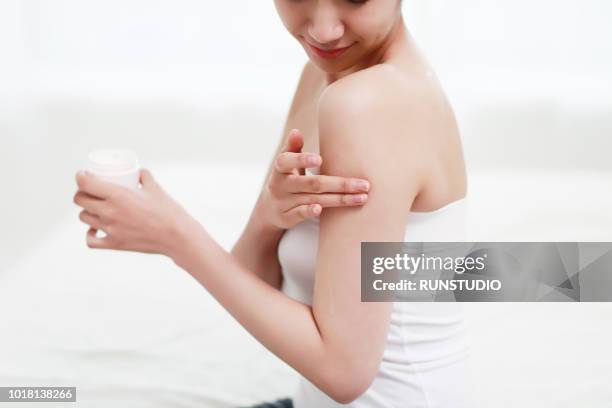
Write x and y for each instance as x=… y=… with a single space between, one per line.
x=325 y=27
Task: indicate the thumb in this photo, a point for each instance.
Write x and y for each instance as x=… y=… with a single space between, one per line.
x=146 y=178
x=295 y=141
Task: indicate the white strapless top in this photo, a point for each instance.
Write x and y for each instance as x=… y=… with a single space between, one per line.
x=424 y=364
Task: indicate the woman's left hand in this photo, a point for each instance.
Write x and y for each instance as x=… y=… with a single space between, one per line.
x=141 y=220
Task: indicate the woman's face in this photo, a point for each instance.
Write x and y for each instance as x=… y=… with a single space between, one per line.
x=338 y=34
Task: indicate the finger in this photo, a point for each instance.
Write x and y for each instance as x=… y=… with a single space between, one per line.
x=295 y=141
x=88 y=202
x=301 y=212
x=96 y=242
x=325 y=184
x=330 y=200
x=91 y=219
x=287 y=161
x=95 y=186
x=146 y=179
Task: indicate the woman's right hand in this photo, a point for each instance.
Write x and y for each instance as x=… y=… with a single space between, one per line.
x=290 y=196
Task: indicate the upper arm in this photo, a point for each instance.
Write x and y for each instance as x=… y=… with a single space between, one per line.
x=361 y=135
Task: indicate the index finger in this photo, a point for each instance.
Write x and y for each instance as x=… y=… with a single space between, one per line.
x=287 y=161
x=295 y=141
x=95 y=186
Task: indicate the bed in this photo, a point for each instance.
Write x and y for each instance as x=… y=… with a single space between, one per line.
x=134 y=330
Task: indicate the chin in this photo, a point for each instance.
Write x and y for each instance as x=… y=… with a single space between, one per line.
x=330 y=66
x=324 y=66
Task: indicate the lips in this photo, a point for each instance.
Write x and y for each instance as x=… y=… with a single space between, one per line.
x=333 y=53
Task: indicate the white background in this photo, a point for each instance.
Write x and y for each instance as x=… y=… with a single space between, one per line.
x=529 y=81
x=199 y=85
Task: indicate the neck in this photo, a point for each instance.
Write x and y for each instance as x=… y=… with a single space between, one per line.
x=396 y=38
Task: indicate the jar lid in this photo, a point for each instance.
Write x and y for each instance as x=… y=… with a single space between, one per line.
x=112 y=160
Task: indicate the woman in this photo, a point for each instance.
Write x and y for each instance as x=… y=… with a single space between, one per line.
x=371 y=107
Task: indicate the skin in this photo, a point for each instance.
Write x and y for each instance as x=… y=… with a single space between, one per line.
x=376 y=113
x=289 y=197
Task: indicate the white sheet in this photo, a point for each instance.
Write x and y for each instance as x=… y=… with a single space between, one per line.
x=133 y=330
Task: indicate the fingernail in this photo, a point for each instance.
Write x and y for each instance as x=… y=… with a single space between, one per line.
x=316 y=209
x=359 y=198
x=314 y=160
x=362 y=185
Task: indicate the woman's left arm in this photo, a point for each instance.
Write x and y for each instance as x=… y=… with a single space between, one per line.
x=337 y=343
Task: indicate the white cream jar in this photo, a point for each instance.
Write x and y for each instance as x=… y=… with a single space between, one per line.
x=119 y=166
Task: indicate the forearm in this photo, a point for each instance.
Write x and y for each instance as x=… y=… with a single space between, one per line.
x=256 y=250
x=284 y=326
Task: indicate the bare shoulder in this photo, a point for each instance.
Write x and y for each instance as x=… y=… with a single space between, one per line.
x=404 y=118
x=400 y=107
x=382 y=87
x=310 y=78
x=308 y=83
x=381 y=110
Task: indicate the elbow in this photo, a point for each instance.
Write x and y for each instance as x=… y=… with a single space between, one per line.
x=345 y=393
x=345 y=396
x=346 y=386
